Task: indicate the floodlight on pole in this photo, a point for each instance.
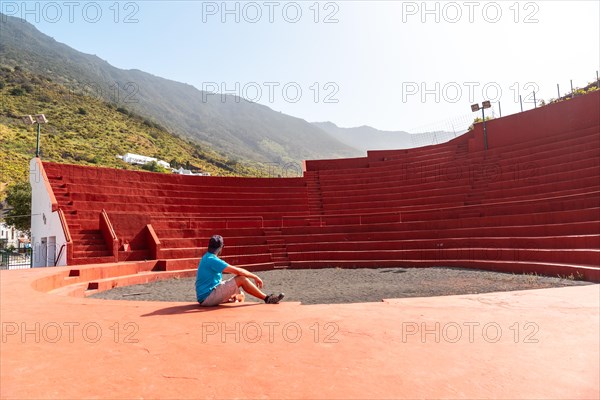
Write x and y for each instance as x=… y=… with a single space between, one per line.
x=36 y=119
x=41 y=119
x=476 y=107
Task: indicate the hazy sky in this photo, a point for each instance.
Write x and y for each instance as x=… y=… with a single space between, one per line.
x=394 y=65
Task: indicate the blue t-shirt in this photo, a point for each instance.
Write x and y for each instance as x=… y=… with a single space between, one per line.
x=210 y=272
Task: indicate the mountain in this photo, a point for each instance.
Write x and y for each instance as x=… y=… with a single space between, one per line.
x=367 y=138
x=88 y=131
x=228 y=125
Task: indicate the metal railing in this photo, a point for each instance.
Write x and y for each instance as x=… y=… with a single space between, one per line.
x=15 y=260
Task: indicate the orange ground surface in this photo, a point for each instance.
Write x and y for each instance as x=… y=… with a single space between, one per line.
x=527 y=344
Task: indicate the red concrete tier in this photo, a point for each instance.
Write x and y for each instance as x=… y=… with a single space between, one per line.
x=531 y=202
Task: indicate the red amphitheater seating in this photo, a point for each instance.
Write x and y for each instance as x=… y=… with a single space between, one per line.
x=176 y=207
x=530 y=203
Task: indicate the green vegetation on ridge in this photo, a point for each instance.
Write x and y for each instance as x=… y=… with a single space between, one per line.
x=228 y=124
x=86 y=130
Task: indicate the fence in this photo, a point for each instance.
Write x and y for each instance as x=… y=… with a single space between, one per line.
x=440 y=131
x=445 y=130
x=14 y=260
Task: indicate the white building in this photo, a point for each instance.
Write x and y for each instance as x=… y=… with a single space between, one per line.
x=10 y=236
x=47 y=233
x=138 y=159
x=183 y=171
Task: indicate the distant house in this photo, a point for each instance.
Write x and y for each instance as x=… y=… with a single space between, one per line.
x=11 y=237
x=138 y=159
x=182 y=171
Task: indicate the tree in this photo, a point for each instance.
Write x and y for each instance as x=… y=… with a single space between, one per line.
x=476 y=121
x=153 y=166
x=18 y=198
x=174 y=164
x=17 y=92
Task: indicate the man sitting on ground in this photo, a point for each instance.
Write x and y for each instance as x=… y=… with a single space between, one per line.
x=211 y=290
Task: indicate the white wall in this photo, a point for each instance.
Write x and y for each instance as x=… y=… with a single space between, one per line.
x=141 y=160
x=47 y=236
x=137 y=159
x=11 y=235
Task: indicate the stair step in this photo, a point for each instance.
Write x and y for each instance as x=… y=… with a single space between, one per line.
x=94 y=246
x=469 y=215
x=91 y=260
x=91 y=254
x=134 y=255
x=88 y=236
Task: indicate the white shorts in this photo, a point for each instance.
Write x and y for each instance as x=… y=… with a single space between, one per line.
x=221 y=293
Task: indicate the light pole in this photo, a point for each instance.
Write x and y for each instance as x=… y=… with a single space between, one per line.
x=37 y=119
x=484 y=105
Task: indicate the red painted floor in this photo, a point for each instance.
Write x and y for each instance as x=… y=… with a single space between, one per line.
x=529 y=344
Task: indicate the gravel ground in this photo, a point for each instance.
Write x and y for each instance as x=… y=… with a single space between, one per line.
x=336 y=285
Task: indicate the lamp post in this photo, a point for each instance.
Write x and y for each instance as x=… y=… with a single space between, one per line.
x=476 y=107
x=36 y=119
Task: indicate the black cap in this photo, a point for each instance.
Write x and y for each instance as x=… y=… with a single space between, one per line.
x=215 y=242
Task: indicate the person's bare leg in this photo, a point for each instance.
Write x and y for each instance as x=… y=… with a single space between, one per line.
x=249 y=287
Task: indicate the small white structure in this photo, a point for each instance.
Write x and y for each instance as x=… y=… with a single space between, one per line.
x=47 y=233
x=10 y=235
x=138 y=159
x=183 y=171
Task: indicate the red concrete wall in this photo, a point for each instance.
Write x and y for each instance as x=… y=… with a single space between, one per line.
x=100 y=174
x=345 y=163
x=110 y=238
x=565 y=116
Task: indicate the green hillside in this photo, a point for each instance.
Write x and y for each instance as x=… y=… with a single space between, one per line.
x=86 y=130
x=231 y=125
